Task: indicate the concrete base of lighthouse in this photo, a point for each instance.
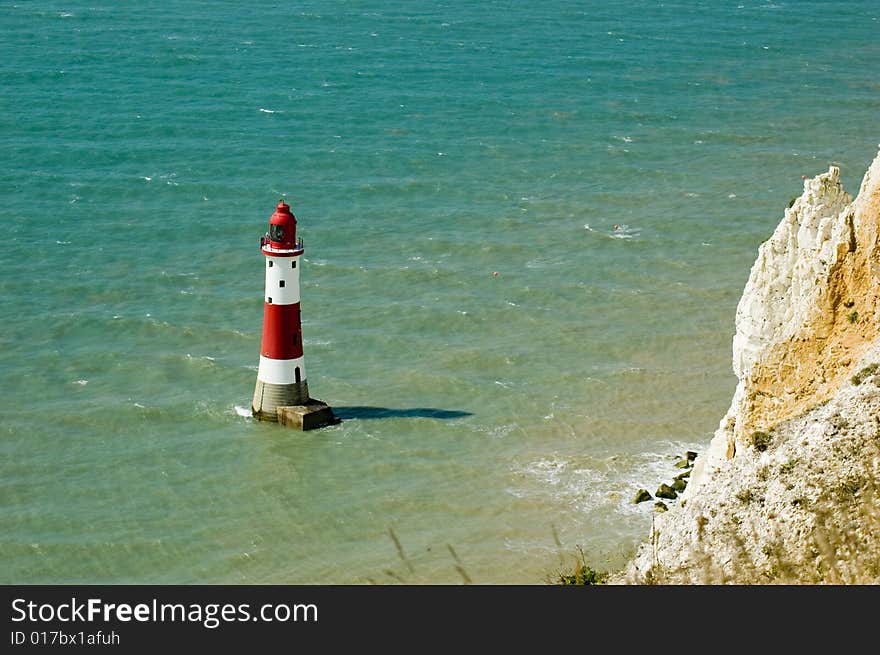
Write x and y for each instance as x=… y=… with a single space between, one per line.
x=290 y=405
x=314 y=414
x=268 y=397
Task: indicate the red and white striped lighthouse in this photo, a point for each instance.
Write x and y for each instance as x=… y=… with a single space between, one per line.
x=282 y=392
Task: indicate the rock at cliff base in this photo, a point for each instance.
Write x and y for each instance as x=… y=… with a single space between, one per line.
x=665 y=491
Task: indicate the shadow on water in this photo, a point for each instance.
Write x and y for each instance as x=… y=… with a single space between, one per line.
x=366 y=411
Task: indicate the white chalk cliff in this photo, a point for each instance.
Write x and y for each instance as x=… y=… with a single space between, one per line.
x=789 y=487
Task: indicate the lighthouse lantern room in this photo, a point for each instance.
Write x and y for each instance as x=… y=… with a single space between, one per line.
x=282 y=391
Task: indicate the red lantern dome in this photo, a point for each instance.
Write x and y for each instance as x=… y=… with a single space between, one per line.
x=282 y=228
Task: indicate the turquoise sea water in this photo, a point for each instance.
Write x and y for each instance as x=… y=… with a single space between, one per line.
x=423 y=146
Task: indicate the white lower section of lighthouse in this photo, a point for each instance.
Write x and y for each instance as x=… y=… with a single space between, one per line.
x=281 y=371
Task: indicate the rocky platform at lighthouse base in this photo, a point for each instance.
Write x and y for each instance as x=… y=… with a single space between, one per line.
x=314 y=414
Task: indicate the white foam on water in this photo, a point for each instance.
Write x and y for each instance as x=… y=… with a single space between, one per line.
x=242 y=411
x=624 y=231
x=203 y=357
x=606 y=485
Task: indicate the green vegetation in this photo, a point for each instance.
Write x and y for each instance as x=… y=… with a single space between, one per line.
x=790 y=465
x=853 y=317
x=760 y=440
x=582 y=574
x=865 y=373
x=850 y=486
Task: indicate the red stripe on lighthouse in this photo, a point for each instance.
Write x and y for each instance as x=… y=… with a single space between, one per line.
x=282 y=334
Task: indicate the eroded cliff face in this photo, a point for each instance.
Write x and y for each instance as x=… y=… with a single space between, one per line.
x=789 y=488
x=809 y=311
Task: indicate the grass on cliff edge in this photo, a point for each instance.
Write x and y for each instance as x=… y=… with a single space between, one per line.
x=582 y=574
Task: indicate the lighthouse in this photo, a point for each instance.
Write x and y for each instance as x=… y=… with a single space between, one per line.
x=282 y=390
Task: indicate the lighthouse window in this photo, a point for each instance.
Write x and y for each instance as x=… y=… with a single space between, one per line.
x=293 y=264
x=280 y=283
x=270 y=300
x=297 y=375
x=276 y=232
x=271 y=263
